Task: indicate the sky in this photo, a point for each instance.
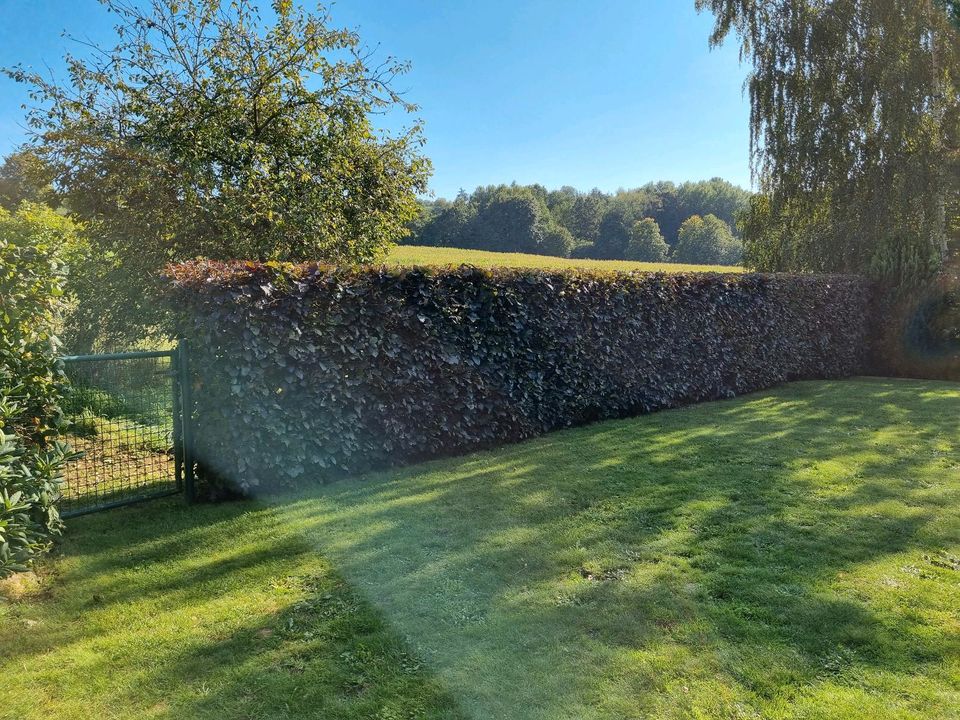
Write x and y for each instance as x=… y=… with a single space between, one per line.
x=609 y=94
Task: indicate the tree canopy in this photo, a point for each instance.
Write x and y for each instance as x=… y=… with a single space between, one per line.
x=646 y=243
x=854 y=127
x=508 y=219
x=24 y=177
x=208 y=131
x=676 y=203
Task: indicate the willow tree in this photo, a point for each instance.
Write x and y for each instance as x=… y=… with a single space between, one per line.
x=214 y=129
x=854 y=132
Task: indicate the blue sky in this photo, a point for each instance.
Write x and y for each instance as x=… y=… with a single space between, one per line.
x=591 y=94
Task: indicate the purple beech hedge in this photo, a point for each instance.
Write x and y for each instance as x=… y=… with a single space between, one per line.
x=307 y=372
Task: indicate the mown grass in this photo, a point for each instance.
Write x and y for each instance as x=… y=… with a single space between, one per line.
x=420 y=255
x=790 y=554
x=209 y=612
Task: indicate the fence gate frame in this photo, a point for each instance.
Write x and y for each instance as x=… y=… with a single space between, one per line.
x=182 y=434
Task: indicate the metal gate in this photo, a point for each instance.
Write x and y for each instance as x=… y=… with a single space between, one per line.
x=129 y=426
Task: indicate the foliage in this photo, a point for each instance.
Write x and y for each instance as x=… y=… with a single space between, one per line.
x=445 y=223
x=646 y=242
x=600 y=225
x=855 y=133
x=706 y=240
x=495 y=218
x=673 y=204
x=24 y=177
x=584 y=214
x=917 y=334
x=624 y=210
x=953 y=10
x=585 y=251
x=206 y=131
x=507 y=219
x=31 y=384
x=308 y=371
x=557 y=241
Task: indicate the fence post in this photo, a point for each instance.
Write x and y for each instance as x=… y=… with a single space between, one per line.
x=177 y=392
x=186 y=417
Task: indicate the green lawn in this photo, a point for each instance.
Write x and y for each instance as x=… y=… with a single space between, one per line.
x=216 y=612
x=419 y=255
x=790 y=554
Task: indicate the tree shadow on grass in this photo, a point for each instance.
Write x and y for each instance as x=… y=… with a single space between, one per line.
x=782 y=554
x=758 y=555
x=209 y=612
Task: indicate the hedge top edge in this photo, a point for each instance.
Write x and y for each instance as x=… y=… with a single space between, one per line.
x=200 y=272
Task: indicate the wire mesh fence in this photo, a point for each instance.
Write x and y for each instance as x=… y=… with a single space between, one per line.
x=124 y=423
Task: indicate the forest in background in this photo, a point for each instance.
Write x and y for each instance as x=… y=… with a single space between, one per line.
x=691 y=222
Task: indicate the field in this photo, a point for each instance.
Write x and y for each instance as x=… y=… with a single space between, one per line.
x=418 y=255
x=789 y=554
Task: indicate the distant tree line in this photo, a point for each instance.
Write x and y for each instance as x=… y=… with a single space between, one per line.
x=693 y=222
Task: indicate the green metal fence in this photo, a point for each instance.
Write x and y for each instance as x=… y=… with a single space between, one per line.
x=127 y=422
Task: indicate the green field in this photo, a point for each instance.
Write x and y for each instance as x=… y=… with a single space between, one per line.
x=789 y=554
x=418 y=255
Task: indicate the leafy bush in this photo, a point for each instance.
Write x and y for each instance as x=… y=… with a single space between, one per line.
x=31 y=456
x=306 y=372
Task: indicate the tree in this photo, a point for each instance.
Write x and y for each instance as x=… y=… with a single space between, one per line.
x=556 y=240
x=706 y=241
x=509 y=218
x=583 y=219
x=446 y=224
x=676 y=203
x=613 y=236
x=646 y=242
x=616 y=228
x=599 y=225
x=854 y=128
x=205 y=131
x=713 y=197
x=560 y=204
x=668 y=210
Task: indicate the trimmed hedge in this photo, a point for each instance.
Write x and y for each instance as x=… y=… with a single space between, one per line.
x=307 y=372
x=916 y=331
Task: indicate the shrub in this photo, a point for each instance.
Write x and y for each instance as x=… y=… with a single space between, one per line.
x=31 y=456
x=557 y=241
x=583 y=251
x=307 y=372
